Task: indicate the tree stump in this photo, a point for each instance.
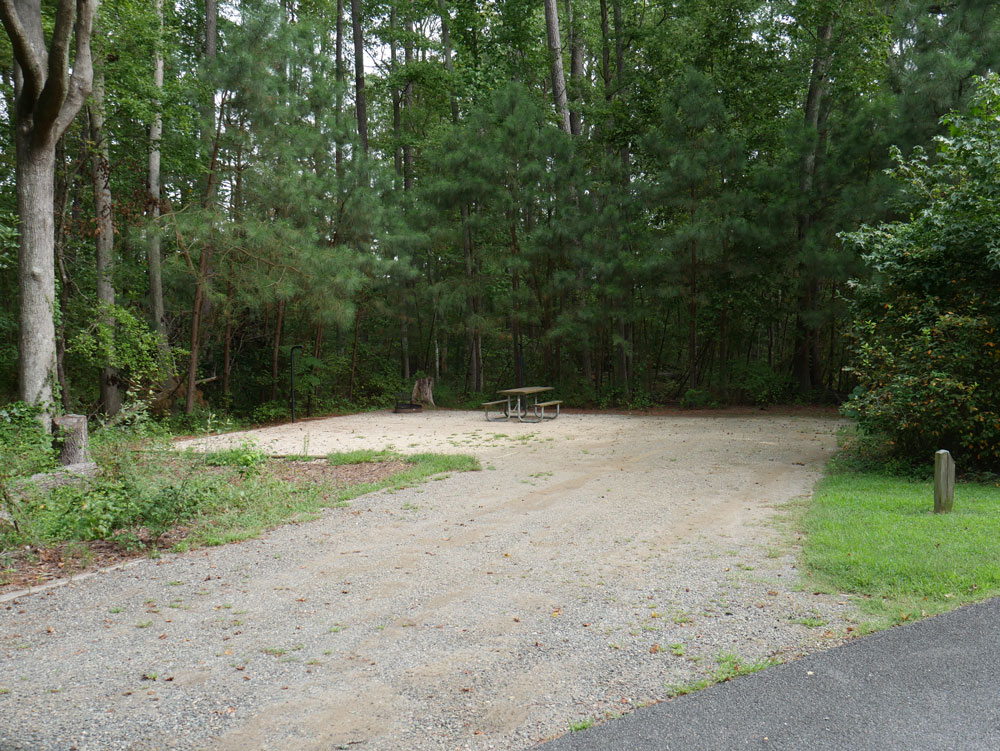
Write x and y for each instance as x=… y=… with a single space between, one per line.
x=75 y=439
x=423 y=392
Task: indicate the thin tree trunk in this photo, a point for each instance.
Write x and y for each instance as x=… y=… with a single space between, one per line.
x=397 y=153
x=195 y=343
x=803 y=358
x=576 y=70
x=404 y=342
x=354 y=353
x=446 y=48
x=153 y=253
x=105 y=238
x=408 y=100
x=339 y=149
x=317 y=351
x=276 y=349
x=210 y=147
x=62 y=189
x=556 y=64
x=359 y=75
x=227 y=346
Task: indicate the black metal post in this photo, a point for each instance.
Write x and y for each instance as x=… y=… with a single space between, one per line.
x=291 y=363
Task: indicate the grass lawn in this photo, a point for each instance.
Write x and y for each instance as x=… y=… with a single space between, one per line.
x=877 y=536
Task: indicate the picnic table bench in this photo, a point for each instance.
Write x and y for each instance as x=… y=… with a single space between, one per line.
x=535 y=412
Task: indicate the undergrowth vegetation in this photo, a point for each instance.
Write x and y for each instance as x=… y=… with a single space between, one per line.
x=148 y=496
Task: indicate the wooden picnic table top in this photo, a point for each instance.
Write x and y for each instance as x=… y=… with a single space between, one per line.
x=526 y=390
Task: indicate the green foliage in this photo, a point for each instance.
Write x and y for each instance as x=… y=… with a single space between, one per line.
x=25 y=447
x=698 y=399
x=761 y=385
x=926 y=351
x=109 y=509
x=119 y=339
x=247 y=458
x=271 y=412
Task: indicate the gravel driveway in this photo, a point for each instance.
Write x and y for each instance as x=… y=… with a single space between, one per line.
x=596 y=560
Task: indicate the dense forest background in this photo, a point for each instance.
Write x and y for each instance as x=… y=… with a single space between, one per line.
x=636 y=201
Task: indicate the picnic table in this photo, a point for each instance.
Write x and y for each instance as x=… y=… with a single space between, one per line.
x=535 y=412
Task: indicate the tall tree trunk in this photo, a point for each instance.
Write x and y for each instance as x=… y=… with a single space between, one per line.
x=446 y=48
x=62 y=190
x=804 y=363
x=474 y=380
x=408 y=98
x=359 y=75
x=576 y=70
x=47 y=97
x=338 y=154
x=227 y=346
x=197 y=310
x=556 y=64
x=276 y=349
x=111 y=400
x=397 y=152
x=354 y=353
x=153 y=254
x=210 y=148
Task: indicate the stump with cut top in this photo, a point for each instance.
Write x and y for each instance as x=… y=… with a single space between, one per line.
x=75 y=439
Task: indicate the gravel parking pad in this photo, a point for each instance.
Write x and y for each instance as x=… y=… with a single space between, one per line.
x=595 y=561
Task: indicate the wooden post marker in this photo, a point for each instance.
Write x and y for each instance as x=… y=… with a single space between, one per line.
x=944 y=482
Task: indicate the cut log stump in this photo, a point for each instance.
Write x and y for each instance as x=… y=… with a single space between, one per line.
x=423 y=392
x=75 y=439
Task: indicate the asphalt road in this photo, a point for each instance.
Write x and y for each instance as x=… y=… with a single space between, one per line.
x=933 y=685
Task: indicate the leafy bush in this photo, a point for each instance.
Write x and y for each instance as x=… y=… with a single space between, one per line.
x=698 y=399
x=269 y=412
x=759 y=384
x=248 y=458
x=926 y=335
x=25 y=447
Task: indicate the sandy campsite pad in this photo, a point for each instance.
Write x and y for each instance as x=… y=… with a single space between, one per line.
x=595 y=561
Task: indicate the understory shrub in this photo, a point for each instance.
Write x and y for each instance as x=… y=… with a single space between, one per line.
x=926 y=334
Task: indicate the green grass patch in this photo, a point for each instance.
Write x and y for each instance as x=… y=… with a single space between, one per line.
x=876 y=536
x=361 y=456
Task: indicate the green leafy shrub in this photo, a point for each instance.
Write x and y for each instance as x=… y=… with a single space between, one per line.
x=248 y=458
x=759 y=384
x=926 y=335
x=698 y=399
x=269 y=412
x=25 y=447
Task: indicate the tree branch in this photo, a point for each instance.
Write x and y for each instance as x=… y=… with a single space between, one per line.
x=24 y=51
x=53 y=94
x=82 y=80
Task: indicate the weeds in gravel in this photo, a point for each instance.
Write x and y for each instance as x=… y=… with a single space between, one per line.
x=729 y=665
x=578 y=725
x=875 y=535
